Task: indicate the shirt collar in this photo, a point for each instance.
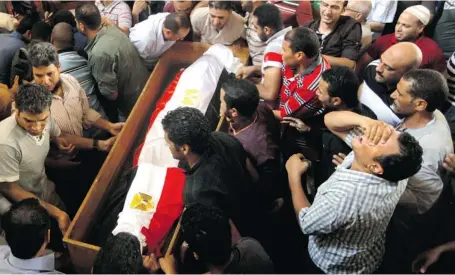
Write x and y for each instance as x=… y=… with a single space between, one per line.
x=347 y=174
x=43 y=263
x=92 y=43
x=278 y=34
x=17 y=35
x=317 y=61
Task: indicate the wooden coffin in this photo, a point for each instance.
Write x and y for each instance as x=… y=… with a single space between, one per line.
x=82 y=253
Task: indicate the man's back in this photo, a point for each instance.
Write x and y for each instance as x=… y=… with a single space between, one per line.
x=10 y=264
x=249 y=257
x=75 y=65
x=117 y=67
x=9 y=45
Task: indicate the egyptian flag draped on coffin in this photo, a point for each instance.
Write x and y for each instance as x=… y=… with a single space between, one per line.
x=154 y=200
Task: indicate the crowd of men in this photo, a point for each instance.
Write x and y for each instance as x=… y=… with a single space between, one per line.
x=338 y=157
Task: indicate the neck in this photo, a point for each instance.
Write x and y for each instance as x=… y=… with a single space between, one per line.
x=418 y=120
x=107 y=3
x=324 y=27
x=242 y=122
x=357 y=167
x=59 y=91
x=305 y=64
x=192 y=159
x=91 y=34
x=219 y=269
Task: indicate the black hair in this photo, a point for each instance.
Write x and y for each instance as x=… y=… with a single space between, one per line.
x=41 y=31
x=207 y=231
x=26 y=24
x=303 y=40
x=269 y=15
x=63 y=36
x=241 y=94
x=189 y=126
x=176 y=21
x=33 y=99
x=89 y=15
x=429 y=85
x=220 y=5
x=26 y=226
x=343 y=83
x=43 y=54
x=24 y=8
x=121 y=254
x=404 y=164
x=64 y=16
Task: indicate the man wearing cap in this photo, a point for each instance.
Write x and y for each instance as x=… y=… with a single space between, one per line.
x=409 y=28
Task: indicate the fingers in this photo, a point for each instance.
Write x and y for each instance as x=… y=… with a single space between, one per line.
x=449 y=163
x=338 y=159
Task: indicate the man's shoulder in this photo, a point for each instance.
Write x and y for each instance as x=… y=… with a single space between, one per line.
x=199 y=15
x=236 y=20
x=9 y=130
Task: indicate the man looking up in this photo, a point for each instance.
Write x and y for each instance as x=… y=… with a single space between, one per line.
x=339 y=35
x=344 y=237
x=113 y=60
x=409 y=28
x=268 y=24
x=217 y=23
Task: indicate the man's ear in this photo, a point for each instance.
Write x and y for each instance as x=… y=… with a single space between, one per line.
x=167 y=33
x=28 y=34
x=234 y=112
x=420 y=104
x=299 y=56
x=336 y=101
x=186 y=149
x=196 y=256
x=376 y=168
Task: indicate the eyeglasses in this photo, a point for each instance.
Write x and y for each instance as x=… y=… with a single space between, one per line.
x=354 y=10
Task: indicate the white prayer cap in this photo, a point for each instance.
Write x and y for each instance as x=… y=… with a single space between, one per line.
x=421 y=12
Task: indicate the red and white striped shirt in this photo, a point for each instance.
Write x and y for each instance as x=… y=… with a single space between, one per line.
x=272 y=52
x=298 y=93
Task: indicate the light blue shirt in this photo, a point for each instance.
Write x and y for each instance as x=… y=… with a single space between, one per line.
x=11 y=264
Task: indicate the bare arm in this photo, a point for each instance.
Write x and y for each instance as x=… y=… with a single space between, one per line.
x=363 y=62
x=87 y=144
x=270 y=89
x=376 y=26
x=340 y=123
x=340 y=61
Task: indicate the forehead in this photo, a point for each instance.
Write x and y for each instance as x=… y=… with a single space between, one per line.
x=44 y=69
x=403 y=86
x=407 y=18
x=391 y=146
x=37 y=117
x=182 y=4
x=218 y=12
x=323 y=84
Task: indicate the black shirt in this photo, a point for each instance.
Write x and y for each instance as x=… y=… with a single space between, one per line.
x=249 y=257
x=332 y=145
x=380 y=89
x=221 y=178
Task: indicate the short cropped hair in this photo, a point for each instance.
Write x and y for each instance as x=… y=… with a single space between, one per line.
x=406 y=163
x=241 y=94
x=343 y=83
x=269 y=15
x=207 y=231
x=220 y=5
x=176 y=21
x=429 y=85
x=41 y=31
x=33 y=99
x=121 y=254
x=64 y=16
x=43 y=54
x=89 y=15
x=187 y=126
x=26 y=226
x=303 y=40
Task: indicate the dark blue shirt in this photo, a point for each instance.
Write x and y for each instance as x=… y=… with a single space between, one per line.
x=10 y=43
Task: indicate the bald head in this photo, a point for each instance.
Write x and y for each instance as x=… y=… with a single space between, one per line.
x=358 y=9
x=62 y=36
x=396 y=61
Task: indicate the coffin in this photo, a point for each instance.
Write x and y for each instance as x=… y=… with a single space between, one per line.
x=77 y=238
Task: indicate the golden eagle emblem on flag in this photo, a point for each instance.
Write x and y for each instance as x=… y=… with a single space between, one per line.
x=142 y=202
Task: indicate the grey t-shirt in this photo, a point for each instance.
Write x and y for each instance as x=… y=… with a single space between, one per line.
x=22 y=157
x=423 y=189
x=444 y=33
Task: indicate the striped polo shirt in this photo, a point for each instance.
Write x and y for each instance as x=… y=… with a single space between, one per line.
x=272 y=52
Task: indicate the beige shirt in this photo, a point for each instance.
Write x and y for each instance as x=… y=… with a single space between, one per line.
x=367 y=37
x=72 y=112
x=232 y=30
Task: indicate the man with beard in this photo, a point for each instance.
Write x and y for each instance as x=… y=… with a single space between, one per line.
x=381 y=77
x=410 y=27
x=268 y=24
x=339 y=35
x=255 y=44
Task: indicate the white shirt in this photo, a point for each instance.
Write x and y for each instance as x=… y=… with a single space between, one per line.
x=11 y=264
x=147 y=37
x=382 y=11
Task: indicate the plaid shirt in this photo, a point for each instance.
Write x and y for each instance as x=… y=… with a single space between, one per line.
x=298 y=93
x=348 y=219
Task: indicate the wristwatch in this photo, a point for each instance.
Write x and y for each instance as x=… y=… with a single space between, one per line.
x=95 y=144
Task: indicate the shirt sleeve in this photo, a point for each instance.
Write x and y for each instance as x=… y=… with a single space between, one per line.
x=375 y=49
x=351 y=43
x=124 y=16
x=355 y=132
x=322 y=216
x=102 y=69
x=89 y=116
x=272 y=57
x=9 y=164
x=383 y=12
x=54 y=130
